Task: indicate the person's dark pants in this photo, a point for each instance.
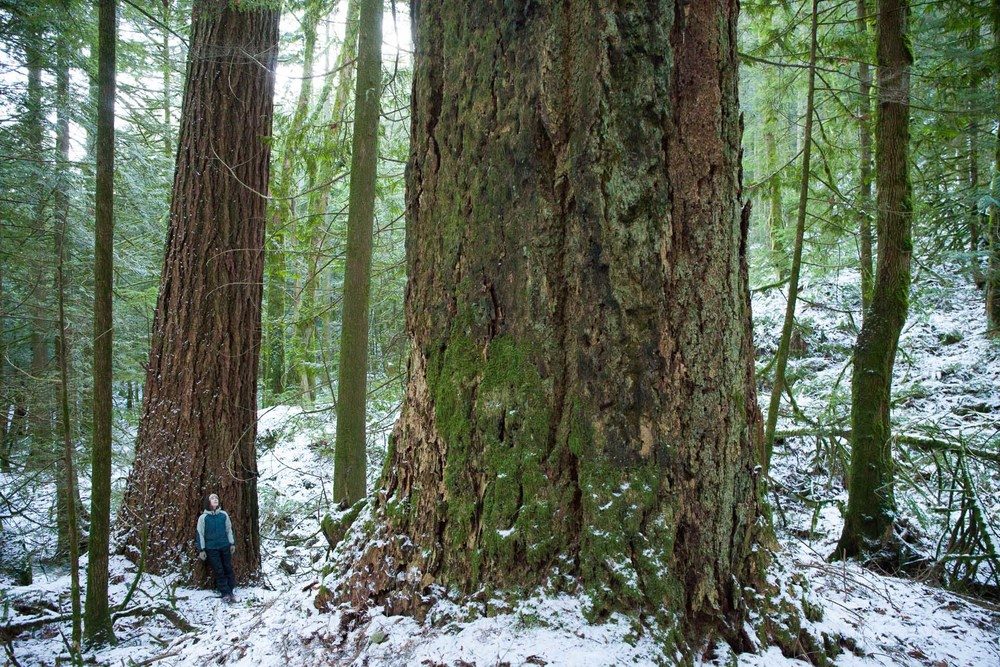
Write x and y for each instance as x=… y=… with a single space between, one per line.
x=221 y=561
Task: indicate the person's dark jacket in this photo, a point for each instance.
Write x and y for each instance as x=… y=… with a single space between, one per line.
x=215 y=530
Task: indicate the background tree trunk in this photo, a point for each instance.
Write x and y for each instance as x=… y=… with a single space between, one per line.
x=167 y=71
x=865 y=247
x=285 y=185
x=868 y=526
x=993 y=230
x=352 y=396
x=775 y=207
x=199 y=416
x=69 y=493
x=580 y=404
x=8 y=403
x=42 y=453
x=65 y=528
x=97 y=618
x=781 y=356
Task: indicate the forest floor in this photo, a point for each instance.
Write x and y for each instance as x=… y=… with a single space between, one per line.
x=947 y=387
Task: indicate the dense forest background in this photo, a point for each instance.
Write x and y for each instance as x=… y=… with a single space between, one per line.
x=808 y=96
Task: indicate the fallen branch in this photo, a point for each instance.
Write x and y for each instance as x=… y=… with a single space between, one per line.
x=166 y=612
x=11 y=630
x=157 y=658
x=923 y=444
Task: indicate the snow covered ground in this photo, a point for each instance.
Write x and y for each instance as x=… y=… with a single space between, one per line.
x=948 y=376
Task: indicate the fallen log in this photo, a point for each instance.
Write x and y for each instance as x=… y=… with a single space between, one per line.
x=918 y=442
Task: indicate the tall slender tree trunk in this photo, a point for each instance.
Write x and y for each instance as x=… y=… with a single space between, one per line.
x=284 y=211
x=70 y=497
x=352 y=383
x=580 y=405
x=168 y=122
x=871 y=507
x=864 y=203
x=781 y=358
x=975 y=216
x=775 y=207
x=8 y=404
x=98 y=618
x=993 y=261
x=199 y=416
x=323 y=170
x=40 y=404
x=65 y=531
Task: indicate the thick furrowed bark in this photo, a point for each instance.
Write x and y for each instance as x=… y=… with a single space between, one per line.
x=199 y=409
x=580 y=405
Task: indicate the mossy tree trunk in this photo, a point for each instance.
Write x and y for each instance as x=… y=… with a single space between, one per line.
x=97 y=618
x=352 y=382
x=868 y=527
x=274 y=322
x=580 y=407
x=199 y=417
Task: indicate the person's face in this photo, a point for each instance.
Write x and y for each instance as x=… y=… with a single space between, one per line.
x=213 y=501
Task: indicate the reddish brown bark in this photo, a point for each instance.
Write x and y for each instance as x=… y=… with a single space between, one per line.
x=199 y=409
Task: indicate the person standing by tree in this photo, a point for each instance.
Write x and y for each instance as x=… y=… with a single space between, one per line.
x=215 y=543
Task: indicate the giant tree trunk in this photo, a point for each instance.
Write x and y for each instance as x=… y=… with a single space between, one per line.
x=868 y=526
x=580 y=404
x=97 y=619
x=199 y=408
x=352 y=393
